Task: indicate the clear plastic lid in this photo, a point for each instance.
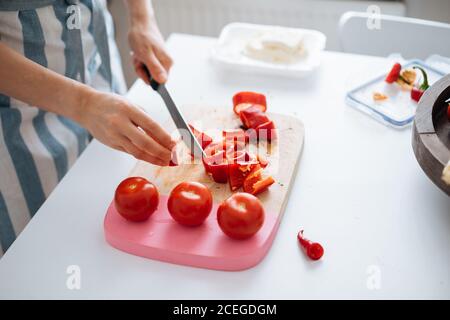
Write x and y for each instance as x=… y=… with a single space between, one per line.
x=398 y=109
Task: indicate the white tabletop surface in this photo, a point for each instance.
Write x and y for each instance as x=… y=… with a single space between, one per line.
x=359 y=191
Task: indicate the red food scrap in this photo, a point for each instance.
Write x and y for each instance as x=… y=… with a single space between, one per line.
x=313 y=249
x=243 y=100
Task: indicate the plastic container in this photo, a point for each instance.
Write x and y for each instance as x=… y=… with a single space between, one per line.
x=399 y=109
x=230 y=48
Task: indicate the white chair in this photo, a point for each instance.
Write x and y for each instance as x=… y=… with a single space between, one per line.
x=412 y=38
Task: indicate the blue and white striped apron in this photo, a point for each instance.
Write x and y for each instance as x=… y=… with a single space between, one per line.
x=70 y=37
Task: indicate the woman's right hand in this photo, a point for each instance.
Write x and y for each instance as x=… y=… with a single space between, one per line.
x=116 y=122
x=109 y=118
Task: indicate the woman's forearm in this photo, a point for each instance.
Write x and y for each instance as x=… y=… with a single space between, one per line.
x=146 y=42
x=140 y=11
x=31 y=83
x=110 y=118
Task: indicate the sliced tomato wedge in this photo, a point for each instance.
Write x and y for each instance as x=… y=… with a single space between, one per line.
x=252 y=117
x=201 y=137
x=255 y=183
x=243 y=100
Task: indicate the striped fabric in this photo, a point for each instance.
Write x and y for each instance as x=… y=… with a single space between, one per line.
x=36 y=147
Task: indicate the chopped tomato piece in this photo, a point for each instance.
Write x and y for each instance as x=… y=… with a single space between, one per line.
x=242 y=106
x=201 y=137
x=252 y=117
x=239 y=167
x=248 y=158
x=174 y=159
x=233 y=149
x=242 y=157
x=253 y=177
x=252 y=135
x=266 y=131
x=218 y=170
x=231 y=146
x=215 y=162
x=262 y=185
x=245 y=99
x=235 y=156
x=235 y=135
x=172 y=163
x=237 y=173
x=255 y=183
x=394 y=74
x=219 y=173
x=215 y=152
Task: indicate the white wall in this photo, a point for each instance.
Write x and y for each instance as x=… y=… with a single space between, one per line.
x=206 y=17
x=438 y=10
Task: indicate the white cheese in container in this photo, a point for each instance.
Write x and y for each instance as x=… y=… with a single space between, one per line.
x=276 y=46
x=268 y=50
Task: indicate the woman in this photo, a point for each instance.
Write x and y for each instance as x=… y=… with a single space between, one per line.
x=60 y=76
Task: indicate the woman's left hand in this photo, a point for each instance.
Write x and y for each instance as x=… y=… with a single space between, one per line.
x=147 y=45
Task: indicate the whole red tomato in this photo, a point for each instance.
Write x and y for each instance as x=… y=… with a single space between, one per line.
x=190 y=203
x=240 y=216
x=136 y=199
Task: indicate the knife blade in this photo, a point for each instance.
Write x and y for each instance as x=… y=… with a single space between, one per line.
x=186 y=133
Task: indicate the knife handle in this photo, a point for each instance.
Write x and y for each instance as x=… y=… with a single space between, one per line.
x=153 y=83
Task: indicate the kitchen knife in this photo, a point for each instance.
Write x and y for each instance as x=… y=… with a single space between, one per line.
x=186 y=133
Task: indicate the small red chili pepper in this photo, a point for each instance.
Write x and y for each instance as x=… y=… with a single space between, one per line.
x=313 y=249
x=416 y=93
x=394 y=74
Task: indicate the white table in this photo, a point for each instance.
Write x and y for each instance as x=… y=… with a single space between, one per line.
x=359 y=191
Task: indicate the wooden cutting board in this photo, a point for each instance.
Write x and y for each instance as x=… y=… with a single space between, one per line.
x=206 y=246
